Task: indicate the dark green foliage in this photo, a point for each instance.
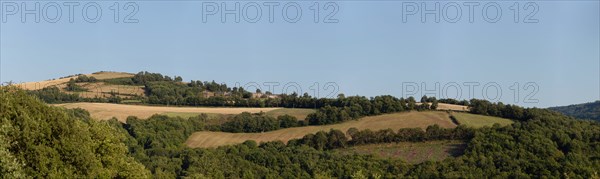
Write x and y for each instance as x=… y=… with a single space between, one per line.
x=158 y=142
x=514 y=112
x=72 y=86
x=114 y=98
x=410 y=135
x=119 y=81
x=40 y=141
x=581 y=111
x=84 y=78
x=173 y=130
x=348 y=108
x=54 y=95
x=329 y=115
x=287 y=121
x=454 y=101
x=169 y=93
x=246 y=122
x=144 y=77
x=434 y=104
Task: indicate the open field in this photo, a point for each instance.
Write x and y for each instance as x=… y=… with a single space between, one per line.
x=450 y=107
x=98 y=75
x=104 y=111
x=393 y=121
x=474 y=120
x=299 y=113
x=411 y=152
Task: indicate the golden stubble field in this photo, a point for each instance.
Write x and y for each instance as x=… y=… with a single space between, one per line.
x=207 y=139
x=104 y=111
x=450 y=107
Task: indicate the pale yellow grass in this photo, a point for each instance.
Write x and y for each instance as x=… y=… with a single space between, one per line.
x=47 y=83
x=103 y=111
x=450 y=107
x=206 y=139
x=299 y=113
x=477 y=121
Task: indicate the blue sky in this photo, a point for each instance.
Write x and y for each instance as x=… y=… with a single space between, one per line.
x=369 y=51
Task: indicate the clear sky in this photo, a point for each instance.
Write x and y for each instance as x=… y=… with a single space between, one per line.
x=376 y=47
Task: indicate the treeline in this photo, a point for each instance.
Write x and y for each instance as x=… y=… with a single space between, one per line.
x=194 y=94
x=74 y=87
x=252 y=123
x=166 y=90
x=54 y=95
x=348 y=108
x=85 y=78
x=337 y=139
x=499 y=109
x=454 y=101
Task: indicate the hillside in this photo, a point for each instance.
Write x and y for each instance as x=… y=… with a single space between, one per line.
x=41 y=141
x=581 y=111
x=387 y=121
x=103 y=75
x=477 y=121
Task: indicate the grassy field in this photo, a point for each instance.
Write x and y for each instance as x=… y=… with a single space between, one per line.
x=411 y=152
x=98 y=75
x=393 y=121
x=450 y=107
x=104 y=111
x=474 y=120
x=299 y=113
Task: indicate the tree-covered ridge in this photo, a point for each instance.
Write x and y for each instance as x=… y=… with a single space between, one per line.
x=539 y=144
x=581 y=111
x=40 y=141
x=166 y=90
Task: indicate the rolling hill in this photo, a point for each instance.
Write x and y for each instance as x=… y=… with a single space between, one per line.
x=393 y=121
x=581 y=111
x=101 y=88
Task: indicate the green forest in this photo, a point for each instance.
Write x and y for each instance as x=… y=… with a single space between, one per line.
x=41 y=141
x=581 y=111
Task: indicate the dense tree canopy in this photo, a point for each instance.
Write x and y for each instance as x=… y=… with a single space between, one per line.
x=545 y=145
x=40 y=141
x=581 y=111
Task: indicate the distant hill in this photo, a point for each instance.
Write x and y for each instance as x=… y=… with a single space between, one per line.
x=581 y=111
